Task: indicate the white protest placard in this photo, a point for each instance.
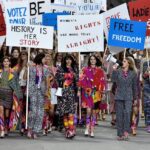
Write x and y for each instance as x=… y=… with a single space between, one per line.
x=54 y=8
x=88 y=8
x=37 y=8
x=2 y=38
x=29 y=36
x=119 y=12
x=80 y=33
x=62 y=2
x=103 y=3
x=147 y=42
x=17 y=12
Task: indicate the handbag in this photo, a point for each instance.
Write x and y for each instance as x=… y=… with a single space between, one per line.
x=59 y=92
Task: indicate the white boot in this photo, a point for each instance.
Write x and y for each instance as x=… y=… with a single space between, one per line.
x=86 y=133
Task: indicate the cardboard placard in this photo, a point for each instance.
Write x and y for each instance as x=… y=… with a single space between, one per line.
x=80 y=33
x=119 y=12
x=50 y=19
x=127 y=34
x=2 y=23
x=17 y=13
x=140 y=11
x=30 y=36
x=37 y=9
x=56 y=8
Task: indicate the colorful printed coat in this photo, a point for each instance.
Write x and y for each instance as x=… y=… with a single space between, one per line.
x=92 y=83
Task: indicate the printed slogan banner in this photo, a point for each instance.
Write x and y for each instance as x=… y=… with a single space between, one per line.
x=87 y=9
x=140 y=11
x=127 y=34
x=17 y=12
x=50 y=19
x=80 y=33
x=37 y=9
x=29 y=36
x=119 y=12
x=2 y=23
x=56 y=8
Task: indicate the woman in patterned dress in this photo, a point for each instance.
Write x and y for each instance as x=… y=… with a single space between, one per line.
x=67 y=77
x=92 y=83
x=8 y=85
x=146 y=92
x=37 y=91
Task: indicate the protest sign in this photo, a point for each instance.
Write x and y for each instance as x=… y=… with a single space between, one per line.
x=17 y=12
x=147 y=42
x=140 y=11
x=54 y=8
x=2 y=23
x=80 y=33
x=120 y=12
x=37 y=9
x=102 y=3
x=88 y=9
x=127 y=34
x=29 y=36
x=50 y=19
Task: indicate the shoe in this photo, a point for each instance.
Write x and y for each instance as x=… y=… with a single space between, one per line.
x=113 y=122
x=120 y=138
x=2 y=135
x=44 y=132
x=134 y=132
x=34 y=136
x=126 y=136
x=6 y=132
x=50 y=129
x=86 y=133
x=92 y=135
x=22 y=132
x=148 y=129
x=29 y=134
x=103 y=117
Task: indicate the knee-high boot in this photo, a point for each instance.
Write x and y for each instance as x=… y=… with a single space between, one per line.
x=71 y=125
x=87 y=130
x=92 y=125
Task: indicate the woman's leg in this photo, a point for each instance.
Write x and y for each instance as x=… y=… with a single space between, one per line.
x=88 y=121
x=93 y=122
x=120 y=117
x=32 y=115
x=37 y=127
x=2 y=125
x=127 y=117
x=7 y=116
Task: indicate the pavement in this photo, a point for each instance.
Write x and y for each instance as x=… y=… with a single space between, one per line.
x=105 y=139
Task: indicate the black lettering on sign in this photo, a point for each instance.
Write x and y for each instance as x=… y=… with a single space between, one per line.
x=123 y=26
x=35 y=8
x=43 y=31
x=139 y=12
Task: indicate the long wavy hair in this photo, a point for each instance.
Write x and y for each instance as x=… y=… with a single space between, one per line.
x=131 y=63
x=73 y=63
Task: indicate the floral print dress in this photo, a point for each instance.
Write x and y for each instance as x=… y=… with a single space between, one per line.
x=68 y=80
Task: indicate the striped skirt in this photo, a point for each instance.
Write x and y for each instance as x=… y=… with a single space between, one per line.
x=6 y=97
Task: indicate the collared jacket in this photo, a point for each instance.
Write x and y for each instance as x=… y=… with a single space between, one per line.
x=126 y=87
x=13 y=82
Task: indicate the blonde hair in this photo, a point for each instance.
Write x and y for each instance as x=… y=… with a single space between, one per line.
x=131 y=63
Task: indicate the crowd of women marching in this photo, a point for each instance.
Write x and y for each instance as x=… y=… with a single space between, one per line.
x=62 y=94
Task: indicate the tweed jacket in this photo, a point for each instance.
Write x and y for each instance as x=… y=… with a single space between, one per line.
x=126 y=87
x=13 y=82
